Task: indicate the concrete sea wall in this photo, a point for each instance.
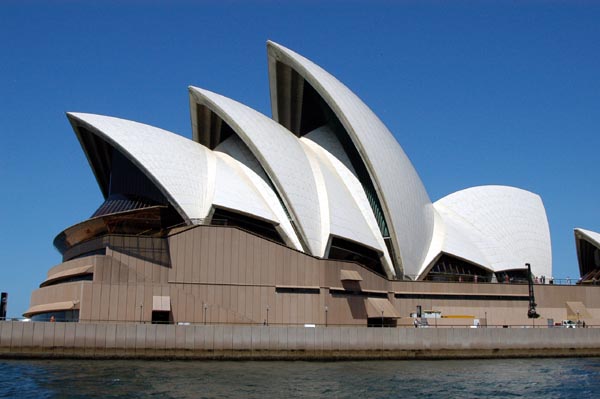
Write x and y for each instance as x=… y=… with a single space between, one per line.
x=83 y=340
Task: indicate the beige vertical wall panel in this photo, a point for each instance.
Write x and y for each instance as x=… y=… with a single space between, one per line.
x=113 y=302
x=129 y=268
x=122 y=302
x=104 y=301
x=185 y=274
x=96 y=300
x=219 y=256
x=212 y=256
x=136 y=265
x=174 y=253
x=227 y=256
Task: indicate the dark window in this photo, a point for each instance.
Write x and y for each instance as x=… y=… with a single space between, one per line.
x=161 y=317
x=518 y=276
x=347 y=293
x=350 y=251
x=381 y=322
x=589 y=262
x=463 y=297
x=256 y=226
x=128 y=179
x=297 y=290
x=59 y=316
x=449 y=268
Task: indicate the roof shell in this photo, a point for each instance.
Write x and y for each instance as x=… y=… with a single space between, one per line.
x=593 y=238
x=405 y=203
x=589 y=235
x=182 y=172
x=507 y=225
x=350 y=215
x=192 y=177
x=283 y=159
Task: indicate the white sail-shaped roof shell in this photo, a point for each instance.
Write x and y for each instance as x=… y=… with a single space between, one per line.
x=283 y=159
x=180 y=168
x=348 y=208
x=589 y=235
x=587 y=263
x=406 y=205
x=187 y=172
x=496 y=226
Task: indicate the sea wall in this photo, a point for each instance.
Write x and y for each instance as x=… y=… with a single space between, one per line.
x=77 y=340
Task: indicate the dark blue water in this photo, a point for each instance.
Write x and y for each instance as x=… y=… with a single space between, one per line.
x=530 y=378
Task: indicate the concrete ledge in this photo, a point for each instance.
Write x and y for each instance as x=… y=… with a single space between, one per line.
x=147 y=341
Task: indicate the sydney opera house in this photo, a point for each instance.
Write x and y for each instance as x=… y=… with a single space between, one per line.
x=314 y=216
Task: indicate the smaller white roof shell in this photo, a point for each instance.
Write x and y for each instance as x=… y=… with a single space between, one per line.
x=587 y=264
x=588 y=235
x=499 y=227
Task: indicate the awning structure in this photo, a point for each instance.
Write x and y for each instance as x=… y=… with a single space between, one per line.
x=69 y=272
x=51 y=307
x=375 y=307
x=350 y=275
x=161 y=303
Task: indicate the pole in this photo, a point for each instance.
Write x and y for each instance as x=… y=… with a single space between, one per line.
x=141 y=311
x=267 y=314
x=382 y=318
x=326 y=310
x=205 y=307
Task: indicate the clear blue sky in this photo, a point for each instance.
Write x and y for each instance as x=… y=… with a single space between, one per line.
x=476 y=93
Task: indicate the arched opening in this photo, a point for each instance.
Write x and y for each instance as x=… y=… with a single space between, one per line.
x=253 y=225
x=451 y=268
x=342 y=249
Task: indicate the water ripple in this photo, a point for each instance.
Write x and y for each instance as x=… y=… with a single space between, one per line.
x=518 y=378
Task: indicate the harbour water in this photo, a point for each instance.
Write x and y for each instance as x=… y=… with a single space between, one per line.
x=500 y=378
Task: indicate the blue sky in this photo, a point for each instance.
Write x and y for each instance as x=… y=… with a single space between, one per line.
x=490 y=92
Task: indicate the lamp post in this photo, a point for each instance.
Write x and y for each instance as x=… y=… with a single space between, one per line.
x=141 y=311
x=486 y=323
x=267 y=314
x=326 y=310
x=205 y=308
